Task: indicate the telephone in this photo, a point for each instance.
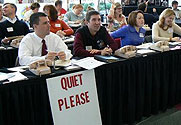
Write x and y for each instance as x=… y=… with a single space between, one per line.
x=126 y=51
x=40 y=67
x=15 y=41
x=160 y=46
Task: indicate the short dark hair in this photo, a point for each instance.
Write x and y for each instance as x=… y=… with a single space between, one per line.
x=174 y=2
x=13 y=5
x=35 y=18
x=90 y=13
x=35 y=5
x=132 y=17
x=58 y=2
x=142 y=6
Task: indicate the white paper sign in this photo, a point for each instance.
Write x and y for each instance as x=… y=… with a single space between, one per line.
x=88 y=63
x=73 y=99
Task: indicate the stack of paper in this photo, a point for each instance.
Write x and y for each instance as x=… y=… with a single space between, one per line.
x=88 y=63
x=17 y=77
x=12 y=77
x=144 y=46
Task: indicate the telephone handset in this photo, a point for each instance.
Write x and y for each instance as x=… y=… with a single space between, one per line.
x=15 y=41
x=40 y=67
x=160 y=46
x=126 y=51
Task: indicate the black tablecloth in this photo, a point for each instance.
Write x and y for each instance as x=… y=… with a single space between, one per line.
x=8 y=57
x=139 y=87
x=127 y=91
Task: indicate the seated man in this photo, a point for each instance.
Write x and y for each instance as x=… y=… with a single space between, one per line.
x=41 y=44
x=93 y=39
x=149 y=18
x=12 y=26
x=176 y=10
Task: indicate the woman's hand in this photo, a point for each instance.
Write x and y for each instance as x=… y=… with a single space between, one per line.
x=176 y=39
x=61 y=33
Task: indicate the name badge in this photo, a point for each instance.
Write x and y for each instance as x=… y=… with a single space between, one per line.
x=10 y=29
x=170 y=30
x=57 y=25
x=88 y=47
x=141 y=35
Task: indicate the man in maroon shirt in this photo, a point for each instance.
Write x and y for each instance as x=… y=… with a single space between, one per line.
x=93 y=39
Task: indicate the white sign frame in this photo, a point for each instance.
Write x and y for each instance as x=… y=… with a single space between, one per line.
x=60 y=96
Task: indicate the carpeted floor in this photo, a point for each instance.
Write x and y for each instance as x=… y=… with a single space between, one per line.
x=170 y=117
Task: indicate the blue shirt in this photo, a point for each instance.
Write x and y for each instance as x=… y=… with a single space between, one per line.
x=71 y=16
x=129 y=35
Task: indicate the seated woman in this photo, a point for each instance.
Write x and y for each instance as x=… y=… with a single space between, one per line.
x=34 y=8
x=57 y=26
x=133 y=33
x=164 y=28
x=76 y=15
x=116 y=19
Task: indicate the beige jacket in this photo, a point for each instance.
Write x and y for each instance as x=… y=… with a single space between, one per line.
x=158 y=34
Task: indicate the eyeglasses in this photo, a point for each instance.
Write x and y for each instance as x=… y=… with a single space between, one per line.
x=119 y=8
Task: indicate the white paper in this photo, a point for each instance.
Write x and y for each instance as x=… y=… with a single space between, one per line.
x=174 y=43
x=19 y=68
x=144 y=46
x=144 y=51
x=72 y=67
x=17 y=76
x=88 y=63
x=4 y=76
x=68 y=40
x=176 y=47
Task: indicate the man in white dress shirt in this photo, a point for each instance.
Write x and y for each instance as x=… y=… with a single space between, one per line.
x=30 y=49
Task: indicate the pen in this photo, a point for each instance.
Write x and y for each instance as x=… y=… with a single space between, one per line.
x=108 y=48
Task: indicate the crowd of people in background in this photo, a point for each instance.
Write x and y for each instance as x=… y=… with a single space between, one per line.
x=92 y=37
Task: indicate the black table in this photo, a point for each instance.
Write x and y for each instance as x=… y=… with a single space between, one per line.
x=127 y=91
x=8 y=57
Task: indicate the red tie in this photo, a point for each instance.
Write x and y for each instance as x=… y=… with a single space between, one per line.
x=44 y=48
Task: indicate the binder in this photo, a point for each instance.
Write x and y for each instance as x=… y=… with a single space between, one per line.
x=108 y=59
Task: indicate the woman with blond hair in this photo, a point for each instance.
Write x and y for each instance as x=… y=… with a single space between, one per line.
x=164 y=28
x=56 y=25
x=76 y=15
x=115 y=18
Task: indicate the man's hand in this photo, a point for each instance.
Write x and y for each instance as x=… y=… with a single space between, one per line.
x=51 y=55
x=106 y=51
x=92 y=51
x=61 y=55
x=5 y=40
